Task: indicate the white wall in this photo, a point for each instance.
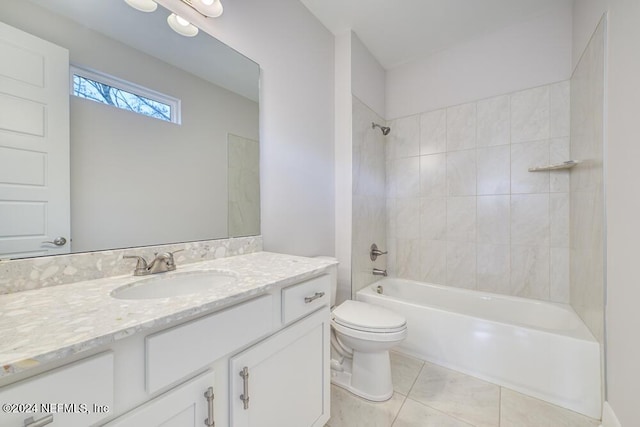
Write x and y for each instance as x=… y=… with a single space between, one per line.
x=343 y=163
x=523 y=55
x=296 y=55
x=622 y=203
x=367 y=77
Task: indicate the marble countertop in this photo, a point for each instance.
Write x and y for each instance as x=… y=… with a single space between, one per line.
x=47 y=324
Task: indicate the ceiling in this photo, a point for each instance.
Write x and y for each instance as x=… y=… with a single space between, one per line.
x=399 y=31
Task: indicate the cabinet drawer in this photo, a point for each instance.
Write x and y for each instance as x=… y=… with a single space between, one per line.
x=303 y=298
x=177 y=352
x=75 y=395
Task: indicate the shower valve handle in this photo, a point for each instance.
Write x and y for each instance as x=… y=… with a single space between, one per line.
x=374 y=253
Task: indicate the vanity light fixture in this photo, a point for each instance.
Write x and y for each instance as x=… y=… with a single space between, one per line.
x=143 y=5
x=207 y=8
x=182 y=26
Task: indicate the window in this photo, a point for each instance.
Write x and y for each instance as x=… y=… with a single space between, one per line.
x=125 y=95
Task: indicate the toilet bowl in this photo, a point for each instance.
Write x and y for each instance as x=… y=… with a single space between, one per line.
x=362 y=335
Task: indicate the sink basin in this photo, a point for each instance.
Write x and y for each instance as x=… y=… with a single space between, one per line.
x=174 y=284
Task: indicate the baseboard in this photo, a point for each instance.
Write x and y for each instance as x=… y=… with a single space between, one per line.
x=609 y=418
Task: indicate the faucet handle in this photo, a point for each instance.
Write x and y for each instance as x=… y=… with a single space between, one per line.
x=141 y=265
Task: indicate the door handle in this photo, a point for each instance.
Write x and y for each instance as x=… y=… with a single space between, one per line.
x=245 y=387
x=58 y=241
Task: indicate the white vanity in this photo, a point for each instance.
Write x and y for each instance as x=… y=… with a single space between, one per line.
x=251 y=353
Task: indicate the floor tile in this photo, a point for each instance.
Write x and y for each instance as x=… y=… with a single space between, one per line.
x=348 y=410
x=466 y=398
x=404 y=371
x=517 y=410
x=414 y=414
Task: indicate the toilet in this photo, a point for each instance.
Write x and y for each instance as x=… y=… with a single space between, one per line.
x=361 y=336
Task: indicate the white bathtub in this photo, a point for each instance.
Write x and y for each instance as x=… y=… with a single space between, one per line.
x=537 y=348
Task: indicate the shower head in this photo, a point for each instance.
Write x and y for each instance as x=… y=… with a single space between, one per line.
x=385 y=129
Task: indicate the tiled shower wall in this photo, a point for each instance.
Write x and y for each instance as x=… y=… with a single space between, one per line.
x=369 y=211
x=462 y=208
x=587 y=186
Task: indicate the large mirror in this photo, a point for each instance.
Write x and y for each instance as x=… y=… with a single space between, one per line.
x=186 y=172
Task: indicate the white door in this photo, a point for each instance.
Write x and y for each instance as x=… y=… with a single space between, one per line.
x=288 y=378
x=34 y=145
x=185 y=406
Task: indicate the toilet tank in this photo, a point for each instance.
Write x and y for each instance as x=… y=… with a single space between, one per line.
x=334 y=278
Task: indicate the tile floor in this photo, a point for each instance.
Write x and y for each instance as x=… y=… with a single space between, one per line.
x=427 y=395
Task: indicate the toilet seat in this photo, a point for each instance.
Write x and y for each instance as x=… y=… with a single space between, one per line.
x=367 y=318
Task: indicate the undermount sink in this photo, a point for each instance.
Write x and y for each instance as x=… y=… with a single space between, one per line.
x=174 y=284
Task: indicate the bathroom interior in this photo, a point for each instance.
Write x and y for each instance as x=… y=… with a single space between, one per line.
x=391 y=214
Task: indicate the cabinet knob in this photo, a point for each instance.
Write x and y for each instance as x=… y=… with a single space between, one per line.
x=58 y=241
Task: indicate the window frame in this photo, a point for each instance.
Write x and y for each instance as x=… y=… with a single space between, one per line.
x=126 y=86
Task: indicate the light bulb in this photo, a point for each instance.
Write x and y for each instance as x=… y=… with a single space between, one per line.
x=143 y=5
x=180 y=20
x=182 y=26
x=210 y=8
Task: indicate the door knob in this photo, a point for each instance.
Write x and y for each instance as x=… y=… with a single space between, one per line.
x=58 y=241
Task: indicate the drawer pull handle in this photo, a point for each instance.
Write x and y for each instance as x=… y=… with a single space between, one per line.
x=245 y=387
x=209 y=422
x=315 y=296
x=30 y=422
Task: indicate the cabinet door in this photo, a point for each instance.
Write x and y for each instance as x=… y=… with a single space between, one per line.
x=288 y=377
x=183 y=406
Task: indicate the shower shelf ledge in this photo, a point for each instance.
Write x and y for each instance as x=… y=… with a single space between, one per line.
x=558 y=166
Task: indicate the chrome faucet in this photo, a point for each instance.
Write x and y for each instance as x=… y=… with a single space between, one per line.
x=378 y=272
x=161 y=263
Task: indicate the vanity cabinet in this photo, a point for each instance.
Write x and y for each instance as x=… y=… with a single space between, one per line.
x=189 y=374
x=283 y=381
x=188 y=405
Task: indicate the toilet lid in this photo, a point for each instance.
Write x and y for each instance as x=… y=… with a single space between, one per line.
x=367 y=317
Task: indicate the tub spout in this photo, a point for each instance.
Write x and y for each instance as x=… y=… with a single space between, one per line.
x=379 y=272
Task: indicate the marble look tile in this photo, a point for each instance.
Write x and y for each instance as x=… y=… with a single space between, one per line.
x=404 y=371
x=493 y=219
x=530 y=271
x=494 y=269
x=433 y=132
x=559 y=220
x=530 y=115
x=530 y=219
x=408 y=258
x=461 y=173
x=493 y=122
x=560 y=270
x=494 y=170
x=461 y=265
x=518 y=410
x=433 y=261
x=391 y=177
x=461 y=396
x=559 y=151
x=559 y=115
x=407 y=218
x=461 y=127
x=414 y=414
x=405 y=136
x=348 y=410
x=433 y=218
x=391 y=218
x=461 y=219
x=433 y=175
x=523 y=157
x=407 y=177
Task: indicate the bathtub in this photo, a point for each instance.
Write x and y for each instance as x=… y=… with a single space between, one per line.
x=537 y=348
